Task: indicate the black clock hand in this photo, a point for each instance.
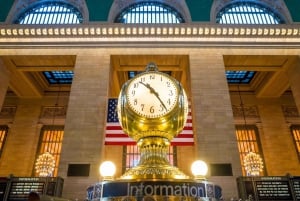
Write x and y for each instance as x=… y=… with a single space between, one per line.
x=152 y=90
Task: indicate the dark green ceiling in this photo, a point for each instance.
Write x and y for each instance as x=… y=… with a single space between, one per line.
x=99 y=9
x=294 y=6
x=4 y=9
x=199 y=9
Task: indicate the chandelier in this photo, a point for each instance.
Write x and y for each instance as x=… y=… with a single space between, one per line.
x=45 y=164
x=253 y=164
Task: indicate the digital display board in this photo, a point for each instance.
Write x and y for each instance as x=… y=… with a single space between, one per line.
x=18 y=188
x=3 y=186
x=269 y=188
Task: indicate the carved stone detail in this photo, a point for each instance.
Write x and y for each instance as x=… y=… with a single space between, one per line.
x=290 y=111
x=8 y=112
x=49 y=112
x=250 y=111
x=100 y=31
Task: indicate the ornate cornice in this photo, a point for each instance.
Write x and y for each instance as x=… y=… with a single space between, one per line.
x=183 y=30
x=111 y=33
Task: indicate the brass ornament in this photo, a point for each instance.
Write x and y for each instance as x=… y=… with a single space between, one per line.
x=152 y=109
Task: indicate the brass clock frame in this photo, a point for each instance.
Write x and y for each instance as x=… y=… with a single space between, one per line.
x=153 y=134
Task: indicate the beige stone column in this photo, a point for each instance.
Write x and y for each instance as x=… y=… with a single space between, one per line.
x=294 y=80
x=4 y=81
x=278 y=148
x=84 y=127
x=213 y=117
x=18 y=157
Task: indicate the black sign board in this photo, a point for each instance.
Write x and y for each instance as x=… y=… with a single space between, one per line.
x=273 y=190
x=269 y=188
x=18 y=188
x=295 y=181
x=3 y=186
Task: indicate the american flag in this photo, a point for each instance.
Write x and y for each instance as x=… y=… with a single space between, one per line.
x=114 y=135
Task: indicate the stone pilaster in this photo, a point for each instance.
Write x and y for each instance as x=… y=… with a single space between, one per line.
x=4 y=81
x=294 y=79
x=18 y=157
x=84 y=127
x=213 y=116
x=276 y=139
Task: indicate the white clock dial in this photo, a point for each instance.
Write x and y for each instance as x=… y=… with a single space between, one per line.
x=152 y=94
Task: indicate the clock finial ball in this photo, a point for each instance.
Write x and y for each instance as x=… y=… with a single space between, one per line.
x=151 y=67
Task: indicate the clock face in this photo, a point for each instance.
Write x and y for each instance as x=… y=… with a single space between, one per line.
x=152 y=95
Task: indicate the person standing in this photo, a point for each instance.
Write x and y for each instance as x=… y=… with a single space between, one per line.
x=33 y=196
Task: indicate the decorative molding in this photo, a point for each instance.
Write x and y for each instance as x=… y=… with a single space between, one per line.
x=8 y=112
x=140 y=30
x=290 y=111
x=250 y=111
x=50 y=112
x=146 y=35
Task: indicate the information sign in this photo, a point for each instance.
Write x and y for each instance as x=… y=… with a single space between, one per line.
x=269 y=188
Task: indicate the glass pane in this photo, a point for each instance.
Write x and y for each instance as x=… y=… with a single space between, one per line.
x=3 y=134
x=296 y=136
x=247 y=142
x=247 y=13
x=51 y=13
x=149 y=13
x=52 y=137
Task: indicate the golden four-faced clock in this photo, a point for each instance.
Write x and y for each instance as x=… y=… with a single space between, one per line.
x=152 y=102
x=152 y=94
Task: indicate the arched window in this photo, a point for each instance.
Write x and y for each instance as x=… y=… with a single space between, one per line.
x=248 y=141
x=247 y=13
x=50 y=13
x=3 y=134
x=149 y=13
x=51 y=141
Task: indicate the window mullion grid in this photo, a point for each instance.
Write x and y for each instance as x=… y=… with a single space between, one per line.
x=40 y=15
x=153 y=13
x=34 y=17
x=134 y=16
x=159 y=10
x=57 y=15
x=60 y=19
x=161 y=15
x=242 y=8
x=249 y=11
x=270 y=19
x=47 y=16
x=51 y=10
x=28 y=20
x=256 y=15
x=231 y=19
x=227 y=20
x=68 y=18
